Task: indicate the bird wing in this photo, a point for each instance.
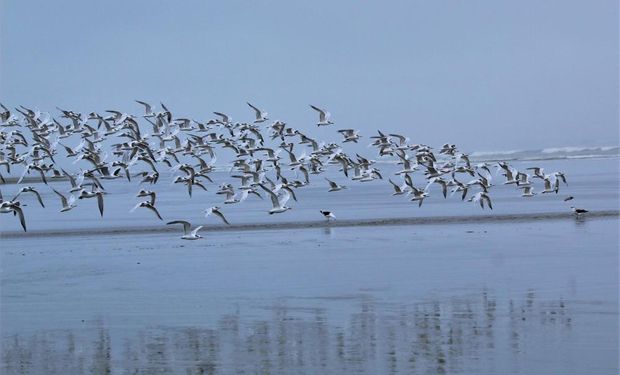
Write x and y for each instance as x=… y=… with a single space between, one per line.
x=195 y=231
x=221 y=216
x=186 y=225
x=100 y=203
x=38 y=197
x=62 y=198
x=272 y=195
x=258 y=111
x=152 y=208
x=22 y=220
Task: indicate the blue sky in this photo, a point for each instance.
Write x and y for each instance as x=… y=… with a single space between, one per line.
x=487 y=75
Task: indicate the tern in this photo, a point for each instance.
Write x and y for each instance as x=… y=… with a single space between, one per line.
x=323 y=116
x=277 y=201
x=398 y=190
x=527 y=191
x=334 y=186
x=260 y=115
x=67 y=204
x=187 y=234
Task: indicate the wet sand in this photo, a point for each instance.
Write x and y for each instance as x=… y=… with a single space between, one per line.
x=489 y=297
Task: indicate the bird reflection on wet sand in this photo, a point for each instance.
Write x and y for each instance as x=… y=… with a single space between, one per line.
x=462 y=334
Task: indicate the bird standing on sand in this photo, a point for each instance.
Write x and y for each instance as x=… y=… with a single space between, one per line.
x=328 y=215
x=579 y=211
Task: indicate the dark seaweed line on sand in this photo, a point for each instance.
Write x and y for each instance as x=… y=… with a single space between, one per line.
x=321 y=224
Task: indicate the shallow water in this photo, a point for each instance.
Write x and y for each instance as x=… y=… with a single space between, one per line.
x=509 y=297
x=593 y=182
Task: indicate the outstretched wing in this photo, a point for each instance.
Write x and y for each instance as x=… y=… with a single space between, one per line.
x=186 y=225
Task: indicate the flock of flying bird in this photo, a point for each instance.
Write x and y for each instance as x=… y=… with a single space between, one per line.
x=271 y=158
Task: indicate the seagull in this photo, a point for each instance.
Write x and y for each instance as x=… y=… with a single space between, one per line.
x=334 y=186
x=277 y=201
x=215 y=210
x=149 y=205
x=328 y=215
x=323 y=116
x=67 y=204
x=260 y=115
x=187 y=235
x=579 y=211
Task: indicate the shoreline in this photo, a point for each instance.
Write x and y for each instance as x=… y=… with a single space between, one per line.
x=438 y=220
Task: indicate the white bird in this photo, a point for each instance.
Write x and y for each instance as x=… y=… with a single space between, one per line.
x=334 y=186
x=323 y=116
x=328 y=215
x=350 y=135
x=67 y=204
x=260 y=115
x=277 y=201
x=187 y=234
x=215 y=210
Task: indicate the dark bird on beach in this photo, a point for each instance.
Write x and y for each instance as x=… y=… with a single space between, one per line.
x=579 y=211
x=569 y=198
x=328 y=215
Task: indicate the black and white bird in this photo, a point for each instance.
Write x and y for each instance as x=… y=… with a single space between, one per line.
x=579 y=211
x=328 y=215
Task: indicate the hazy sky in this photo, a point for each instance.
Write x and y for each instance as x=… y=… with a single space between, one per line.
x=487 y=75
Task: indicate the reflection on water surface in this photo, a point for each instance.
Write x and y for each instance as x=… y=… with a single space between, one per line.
x=465 y=334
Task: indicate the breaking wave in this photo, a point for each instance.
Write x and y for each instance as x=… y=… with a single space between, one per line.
x=549 y=153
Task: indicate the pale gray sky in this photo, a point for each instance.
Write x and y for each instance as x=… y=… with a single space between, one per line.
x=487 y=75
